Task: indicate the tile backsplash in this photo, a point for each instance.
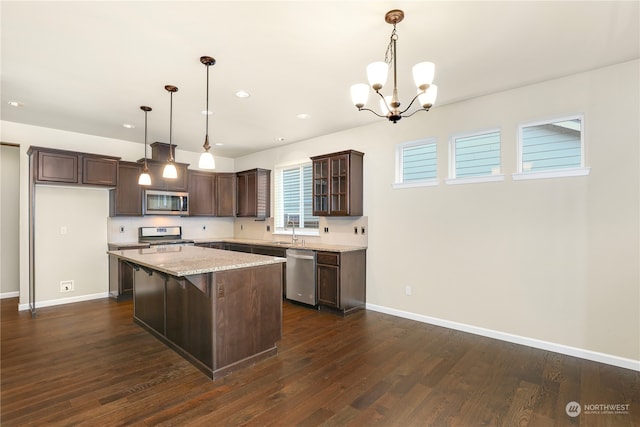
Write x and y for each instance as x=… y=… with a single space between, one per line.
x=340 y=230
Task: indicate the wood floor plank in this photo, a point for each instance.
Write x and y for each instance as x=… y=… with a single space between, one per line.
x=88 y=364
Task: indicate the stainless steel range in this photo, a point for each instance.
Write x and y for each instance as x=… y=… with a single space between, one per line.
x=156 y=236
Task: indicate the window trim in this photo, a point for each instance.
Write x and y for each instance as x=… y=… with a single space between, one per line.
x=399 y=183
x=278 y=171
x=452 y=178
x=551 y=173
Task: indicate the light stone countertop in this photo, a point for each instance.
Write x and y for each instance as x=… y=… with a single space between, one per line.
x=287 y=244
x=276 y=244
x=179 y=260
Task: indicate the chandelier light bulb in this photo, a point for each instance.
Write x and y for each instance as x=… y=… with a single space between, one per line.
x=385 y=104
x=377 y=73
x=423 y=74
x=359 y=94
x=428 y=98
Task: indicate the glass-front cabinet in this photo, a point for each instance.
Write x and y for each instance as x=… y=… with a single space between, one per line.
x=339 y=188
x=321 y=187
x=337 y=184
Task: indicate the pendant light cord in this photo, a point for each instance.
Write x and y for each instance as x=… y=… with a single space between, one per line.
x=145 y=140
x=170 y=125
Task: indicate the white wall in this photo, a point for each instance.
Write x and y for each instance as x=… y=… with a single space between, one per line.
x=9 y=209
x=553 y=260
x=76 y=253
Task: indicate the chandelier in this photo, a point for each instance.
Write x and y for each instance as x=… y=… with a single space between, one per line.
x=377 y=75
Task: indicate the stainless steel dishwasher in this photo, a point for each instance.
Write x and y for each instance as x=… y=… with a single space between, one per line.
x=301 y=276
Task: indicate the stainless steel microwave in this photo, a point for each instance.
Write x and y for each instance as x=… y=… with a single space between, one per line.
x=158 y=202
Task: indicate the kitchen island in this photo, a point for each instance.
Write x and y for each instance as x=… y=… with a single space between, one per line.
x=221 y=310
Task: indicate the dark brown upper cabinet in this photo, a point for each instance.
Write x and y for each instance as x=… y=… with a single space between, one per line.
x=253 y=193
x=201 y=193
x=212 y=194
x=225 y=190
x=99 y=170
x=337 y=184
x=126 y=198
x=69 y=167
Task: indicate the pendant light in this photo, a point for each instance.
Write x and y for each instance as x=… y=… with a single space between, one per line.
x=170 y=169
x=145 y=178
x=206 y=159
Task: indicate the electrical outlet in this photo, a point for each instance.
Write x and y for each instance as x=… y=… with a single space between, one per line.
x=63 y=229
x=326 y=229
x=355 y=230
x=66 y=286
x=362 y=230
x=122 y=229
x=407 y=290
x=204 y=227
x=268 y=228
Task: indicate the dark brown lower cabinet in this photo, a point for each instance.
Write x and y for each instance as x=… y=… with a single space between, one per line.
x=218 y=321
x=341 y=280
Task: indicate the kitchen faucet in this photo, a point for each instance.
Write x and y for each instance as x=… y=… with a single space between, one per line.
x=294 y=238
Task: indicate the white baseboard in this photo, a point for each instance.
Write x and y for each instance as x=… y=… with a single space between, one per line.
x=61 y=301
x=9 y=294
x=516 y=339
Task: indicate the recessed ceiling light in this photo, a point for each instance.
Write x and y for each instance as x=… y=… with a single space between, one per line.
x=219 y=144
x=303 y=116
x=243 y=94
x=207 y=113
x=128 y=126
x=15 y=104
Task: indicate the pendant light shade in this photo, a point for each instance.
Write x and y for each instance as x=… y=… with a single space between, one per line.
x=145 y=178
x=170 y=169
x=206 y=158
x=207 y=161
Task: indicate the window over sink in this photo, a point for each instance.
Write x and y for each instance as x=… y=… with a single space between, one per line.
x=293 y=199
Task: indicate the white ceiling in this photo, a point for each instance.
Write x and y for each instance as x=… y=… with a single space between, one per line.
x=87 y=66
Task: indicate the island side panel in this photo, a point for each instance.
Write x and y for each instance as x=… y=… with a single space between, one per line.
x=149 y=299
x=189 y=318
x=247 y=312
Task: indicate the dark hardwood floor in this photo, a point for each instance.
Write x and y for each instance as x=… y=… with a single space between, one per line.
x=89 y=364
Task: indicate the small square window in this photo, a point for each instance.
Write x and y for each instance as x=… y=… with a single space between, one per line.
x=551 y=145
x=475 y=156
x=416 y=163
